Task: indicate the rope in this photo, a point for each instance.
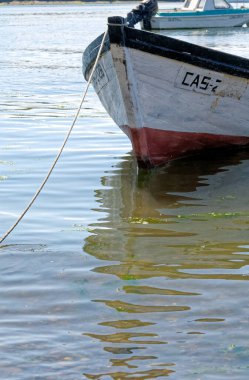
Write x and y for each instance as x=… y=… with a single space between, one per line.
x=62 y=147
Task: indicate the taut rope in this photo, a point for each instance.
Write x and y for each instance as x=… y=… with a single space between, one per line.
x=62 y=147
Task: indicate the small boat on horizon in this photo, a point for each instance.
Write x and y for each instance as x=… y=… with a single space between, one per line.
x=172 y=98
x=195 y=14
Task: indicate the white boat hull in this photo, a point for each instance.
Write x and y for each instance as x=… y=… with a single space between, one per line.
x=170 y=108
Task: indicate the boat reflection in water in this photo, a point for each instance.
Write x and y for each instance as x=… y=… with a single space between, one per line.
x=175 y=247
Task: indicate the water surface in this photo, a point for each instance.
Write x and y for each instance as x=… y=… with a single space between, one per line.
x=114 y=273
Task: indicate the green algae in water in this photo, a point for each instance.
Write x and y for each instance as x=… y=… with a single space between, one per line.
x=2 y=162
x=136 y=220
x=211 y=215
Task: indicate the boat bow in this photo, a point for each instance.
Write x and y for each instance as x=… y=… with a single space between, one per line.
x=172 y=98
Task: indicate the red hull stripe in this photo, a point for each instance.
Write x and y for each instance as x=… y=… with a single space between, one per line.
x=154 y=147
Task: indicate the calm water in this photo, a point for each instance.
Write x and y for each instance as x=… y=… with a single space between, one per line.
x=114 y=273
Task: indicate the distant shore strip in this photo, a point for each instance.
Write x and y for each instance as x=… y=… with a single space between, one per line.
x=39 y=2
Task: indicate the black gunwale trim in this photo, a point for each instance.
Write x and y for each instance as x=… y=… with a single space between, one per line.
x=179 y=50
x=168 y=47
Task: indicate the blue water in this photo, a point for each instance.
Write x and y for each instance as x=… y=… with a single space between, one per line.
x=114 y=273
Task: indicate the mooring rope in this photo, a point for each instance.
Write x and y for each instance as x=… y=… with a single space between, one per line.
x=62 y=147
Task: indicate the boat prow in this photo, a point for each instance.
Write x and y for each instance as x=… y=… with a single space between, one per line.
x=172 y=98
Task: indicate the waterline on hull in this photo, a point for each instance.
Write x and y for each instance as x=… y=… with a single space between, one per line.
x=153 y=147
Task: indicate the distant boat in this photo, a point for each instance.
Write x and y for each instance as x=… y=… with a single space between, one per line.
x=172 y=98
x=198 y=14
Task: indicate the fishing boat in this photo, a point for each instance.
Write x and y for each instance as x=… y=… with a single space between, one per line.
x=172 y=98
x=198 y=14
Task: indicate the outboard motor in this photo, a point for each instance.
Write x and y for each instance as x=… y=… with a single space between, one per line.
x=142 y=12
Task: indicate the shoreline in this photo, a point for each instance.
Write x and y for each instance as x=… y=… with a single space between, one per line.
x=71 y=2
x=64 y=2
